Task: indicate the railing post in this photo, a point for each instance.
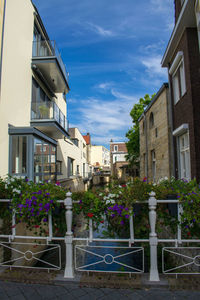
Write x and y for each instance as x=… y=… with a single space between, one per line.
x=153 y=240
x=69 y=273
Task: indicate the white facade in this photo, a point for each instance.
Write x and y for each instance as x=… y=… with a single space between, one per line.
x=33 y=120
x=100 y=156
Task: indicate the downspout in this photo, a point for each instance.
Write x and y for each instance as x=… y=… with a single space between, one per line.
x=2 y=39
x=146 y=146
x=171 y=126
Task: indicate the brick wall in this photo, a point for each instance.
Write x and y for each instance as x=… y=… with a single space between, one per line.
x=121 y=147
x=157 y=138
x=187 y=109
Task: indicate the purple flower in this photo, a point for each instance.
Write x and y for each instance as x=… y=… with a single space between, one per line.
x=45 y=220
x=34 y=198
x=80 y=201
x=122 y=222
x=40 y=204
x=126 y=208
x=47 y=194
x=126 y=216
x=40 y=208
x=113 y=215
x=39 y=192
x=34 y=202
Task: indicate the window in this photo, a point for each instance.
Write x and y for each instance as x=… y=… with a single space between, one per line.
x=153 y=162
x=44 y=161
x=151 y=120
x=70 y=166
x=75 y=141
x=19 y=155
x=184 y=156
x=177 y=72
x=41 y=104
x=115 y=148
x=156 y=132
x=59 y=167
x=77 y=170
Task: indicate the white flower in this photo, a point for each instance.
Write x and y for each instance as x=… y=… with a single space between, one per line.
x=6 y=186
x=100 y=194
x=112 y=201
x=16 y=191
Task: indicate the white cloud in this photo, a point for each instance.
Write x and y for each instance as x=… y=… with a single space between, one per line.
x=105 y=86
x=161 y=5
x=100 y=30
x=104 y=119
x=153 y=66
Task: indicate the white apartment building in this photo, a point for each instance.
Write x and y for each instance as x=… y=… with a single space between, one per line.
x=100 y=156
x=33 y=124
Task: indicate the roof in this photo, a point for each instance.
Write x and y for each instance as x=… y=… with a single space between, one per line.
x=87 y=139
x=165 y=85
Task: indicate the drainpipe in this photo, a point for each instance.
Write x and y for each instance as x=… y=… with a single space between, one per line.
x=171 y=126
x=146 y=147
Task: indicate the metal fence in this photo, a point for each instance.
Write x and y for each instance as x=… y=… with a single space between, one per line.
x=190 y=256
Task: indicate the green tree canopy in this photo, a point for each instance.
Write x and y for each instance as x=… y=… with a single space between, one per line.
x=133 y=144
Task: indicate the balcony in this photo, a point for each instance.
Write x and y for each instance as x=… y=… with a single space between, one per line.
x=48 y=118
x=47 y=60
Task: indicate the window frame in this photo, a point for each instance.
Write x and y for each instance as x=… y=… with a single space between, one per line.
x=177 y=72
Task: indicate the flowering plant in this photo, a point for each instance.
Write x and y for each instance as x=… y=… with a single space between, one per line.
x=90 y=205
x=32 y=202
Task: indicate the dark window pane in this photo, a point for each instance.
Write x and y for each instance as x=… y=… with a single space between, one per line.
x=19 y=154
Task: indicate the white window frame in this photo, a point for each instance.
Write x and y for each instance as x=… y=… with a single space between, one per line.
x=115 y=148
x=177 y=71
x=183 y=151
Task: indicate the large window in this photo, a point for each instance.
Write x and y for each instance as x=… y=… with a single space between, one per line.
x=177 y=71
x=44 y=161
x=19 y=155
x=41 y=104
x=184 y=156
x=70 y=166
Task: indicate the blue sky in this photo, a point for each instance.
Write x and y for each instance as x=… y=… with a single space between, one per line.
x=112 y=50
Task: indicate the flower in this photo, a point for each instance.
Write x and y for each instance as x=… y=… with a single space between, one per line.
x=90 y=215
x=102 y=221
x=144 y=179
x=57 y=183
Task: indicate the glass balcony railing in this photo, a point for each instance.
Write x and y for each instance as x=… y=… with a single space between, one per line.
x=46 y=48
x=48 y=111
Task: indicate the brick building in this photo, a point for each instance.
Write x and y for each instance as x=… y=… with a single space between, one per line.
x=183 y=62
x=155 y=138
x=119 y=166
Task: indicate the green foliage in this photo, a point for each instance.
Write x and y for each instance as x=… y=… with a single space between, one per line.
x=133 y=146
x=32 y=202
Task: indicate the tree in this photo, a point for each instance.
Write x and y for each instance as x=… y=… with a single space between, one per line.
x=133 y=144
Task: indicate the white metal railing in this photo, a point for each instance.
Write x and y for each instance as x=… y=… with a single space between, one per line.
x=152 y=240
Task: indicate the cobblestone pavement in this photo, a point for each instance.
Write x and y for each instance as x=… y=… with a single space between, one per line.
x=21 y=291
